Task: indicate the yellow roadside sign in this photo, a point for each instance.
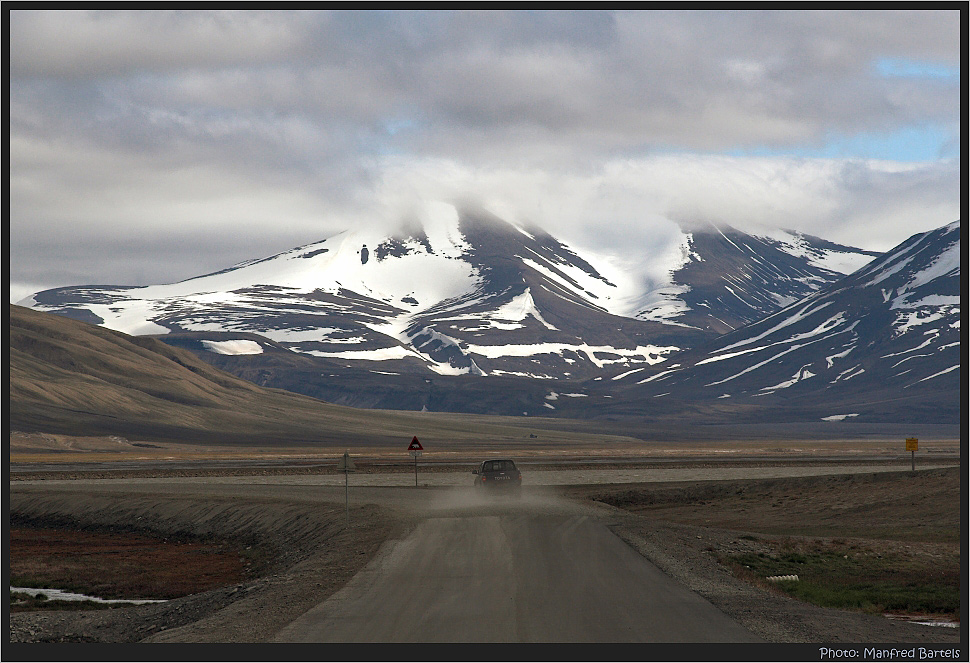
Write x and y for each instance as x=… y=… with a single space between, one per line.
x=912 y=444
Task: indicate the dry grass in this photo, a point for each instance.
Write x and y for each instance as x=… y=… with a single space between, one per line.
x=886 y=542
x=888 y=505
x=74 y=379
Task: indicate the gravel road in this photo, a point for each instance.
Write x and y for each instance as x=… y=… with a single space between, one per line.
x=513 y=578
x=320 y=552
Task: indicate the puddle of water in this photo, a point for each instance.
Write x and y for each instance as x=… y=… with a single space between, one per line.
x=925 y=621
x=59 y=595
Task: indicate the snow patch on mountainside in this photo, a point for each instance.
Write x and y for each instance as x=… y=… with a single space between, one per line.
x=579 y=286
x=936 y=375
x=906 y=321
x=380 y=354
x=663 y=302
x=790 y=345
x=601 y=355
x=235 y=347
x=796 y=244
x=947 y=263
x=506 y=317
x=132 y=319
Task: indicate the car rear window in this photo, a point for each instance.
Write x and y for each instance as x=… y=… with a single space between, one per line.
x=499 y=465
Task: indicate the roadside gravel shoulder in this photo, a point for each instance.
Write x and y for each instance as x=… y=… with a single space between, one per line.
x=686 y=553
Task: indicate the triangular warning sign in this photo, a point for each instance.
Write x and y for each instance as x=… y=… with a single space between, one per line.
x=415 y=445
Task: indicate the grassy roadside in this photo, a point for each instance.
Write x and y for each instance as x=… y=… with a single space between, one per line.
x=884 y=543
x=856 y=575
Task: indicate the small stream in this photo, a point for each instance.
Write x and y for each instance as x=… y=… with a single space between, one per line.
x=59 y=595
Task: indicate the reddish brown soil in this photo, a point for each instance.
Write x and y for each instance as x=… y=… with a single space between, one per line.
x=121 y=565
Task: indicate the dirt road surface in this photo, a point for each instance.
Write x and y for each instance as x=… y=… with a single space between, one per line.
x=513 y=578
x=432 y=563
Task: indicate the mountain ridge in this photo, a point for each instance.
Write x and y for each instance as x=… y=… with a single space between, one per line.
x=519 y=323
x=860 y=347
x=462 y=292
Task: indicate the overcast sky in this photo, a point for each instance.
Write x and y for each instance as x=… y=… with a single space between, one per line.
x=150 y=147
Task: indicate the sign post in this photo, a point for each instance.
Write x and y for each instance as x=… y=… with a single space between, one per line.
x=415 y=449
x=912 y=444
x=346 y=465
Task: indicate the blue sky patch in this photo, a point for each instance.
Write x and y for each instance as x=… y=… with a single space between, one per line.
x=902 y=68
x=909 y=144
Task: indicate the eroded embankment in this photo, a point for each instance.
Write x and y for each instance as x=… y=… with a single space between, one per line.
x=312 y=550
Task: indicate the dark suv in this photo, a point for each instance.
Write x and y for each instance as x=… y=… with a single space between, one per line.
x=498 y=473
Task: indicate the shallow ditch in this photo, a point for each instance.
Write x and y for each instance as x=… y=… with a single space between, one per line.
x=89 y=565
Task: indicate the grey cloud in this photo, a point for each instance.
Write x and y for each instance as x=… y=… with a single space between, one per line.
x=179 y=122
x=653 y=78
x=88 y=43
x=82 y=256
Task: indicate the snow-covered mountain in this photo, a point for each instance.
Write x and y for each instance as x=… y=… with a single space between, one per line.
x=467 y=293
x=882 y=342
x=453 y=296
x=728 y=278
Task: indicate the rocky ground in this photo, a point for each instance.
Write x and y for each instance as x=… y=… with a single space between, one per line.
x=317 y=551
